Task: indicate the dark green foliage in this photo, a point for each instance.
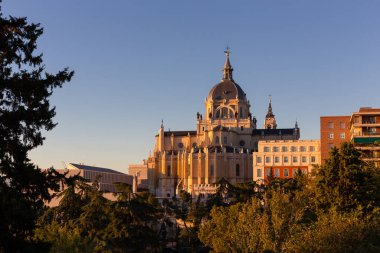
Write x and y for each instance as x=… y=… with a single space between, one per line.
x=345 y=182
x=98 y=224
x=25 y=89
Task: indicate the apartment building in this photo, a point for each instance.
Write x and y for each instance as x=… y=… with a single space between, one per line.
x=284 y=158
x=365 y=133
x=334 y=130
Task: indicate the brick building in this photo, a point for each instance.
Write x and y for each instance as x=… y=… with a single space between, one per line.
x=334 y=131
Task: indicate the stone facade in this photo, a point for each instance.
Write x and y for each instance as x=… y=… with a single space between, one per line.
x=220 y=147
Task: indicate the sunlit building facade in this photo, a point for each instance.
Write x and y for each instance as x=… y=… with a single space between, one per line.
x=285 y=158
x=220 y=147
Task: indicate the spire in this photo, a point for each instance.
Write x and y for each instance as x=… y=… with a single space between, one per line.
x=227 y=69
x=270 y=121
x=270 y=112
x=296 y=126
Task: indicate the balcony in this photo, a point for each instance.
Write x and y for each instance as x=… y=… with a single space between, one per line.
x=366 y=134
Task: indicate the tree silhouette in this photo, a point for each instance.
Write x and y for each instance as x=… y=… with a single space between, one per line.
x=25 y=89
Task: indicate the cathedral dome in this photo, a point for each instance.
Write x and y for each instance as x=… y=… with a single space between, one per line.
x=227 y=89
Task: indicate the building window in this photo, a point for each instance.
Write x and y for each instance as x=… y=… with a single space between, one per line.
x=211 y=173
x=311 y=148
x=225 y=139
x=313 y=159
x=267 y=159
x=268 y=172
x=259 y=159
x=284 y=149
x=342 y=125
x=180 y=145
x=217 y=139
x=304 y=159
x=330 y=125
x=295 y=159
x=286 y=172
x=168 y=171
x=293 y=149
x=237 y=170
x=356 y=119
x=276 y=159
x=330 y=146
x=286 y=159
x=331 y=136
x=275 y=149
x=259 y=173
x=266 y=149
x=241 y=112
x=277 y=172
x=342 y=135
x=303 y=149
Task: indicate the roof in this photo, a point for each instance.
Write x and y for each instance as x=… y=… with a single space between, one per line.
x=180 y=133
x=93 y=168
x=282 y=131
x=226 y=89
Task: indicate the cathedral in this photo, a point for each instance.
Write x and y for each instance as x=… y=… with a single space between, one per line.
x=222 y=145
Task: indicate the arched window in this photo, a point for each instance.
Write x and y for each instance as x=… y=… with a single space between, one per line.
x=237 y=170
x=224 y=113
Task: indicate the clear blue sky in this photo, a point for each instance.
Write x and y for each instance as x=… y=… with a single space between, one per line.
x=138 y=62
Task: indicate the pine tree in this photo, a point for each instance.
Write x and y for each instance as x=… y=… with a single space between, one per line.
x=25 y=90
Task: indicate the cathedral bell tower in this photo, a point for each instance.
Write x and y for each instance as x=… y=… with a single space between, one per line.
x=270 y=120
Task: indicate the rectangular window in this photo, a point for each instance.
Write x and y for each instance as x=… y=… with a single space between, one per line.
x=356 y=119
x=259 y=159
x=225 y=139
x=330 y=146
x=286 y=159
x=211 y=173
x=293 y=149
x=284 y=149
x=277 y=159
x=259 y=173
x=330 y=125
x=303 y=149
x=342 y=135
x=311 y=148
x=237 y=170
x=304 y=159
x=268 y=172
x=342 y=125
x=266 y=149
x=275 y=149
x=313 y=159
x=277 y=172
x=331 y=136
x=295 y=159
x=286 y=172
x=267 y=159
x=168 y=171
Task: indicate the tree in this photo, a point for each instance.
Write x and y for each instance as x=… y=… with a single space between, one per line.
x=346 y=183
x=25 y=89
x=248 y=227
